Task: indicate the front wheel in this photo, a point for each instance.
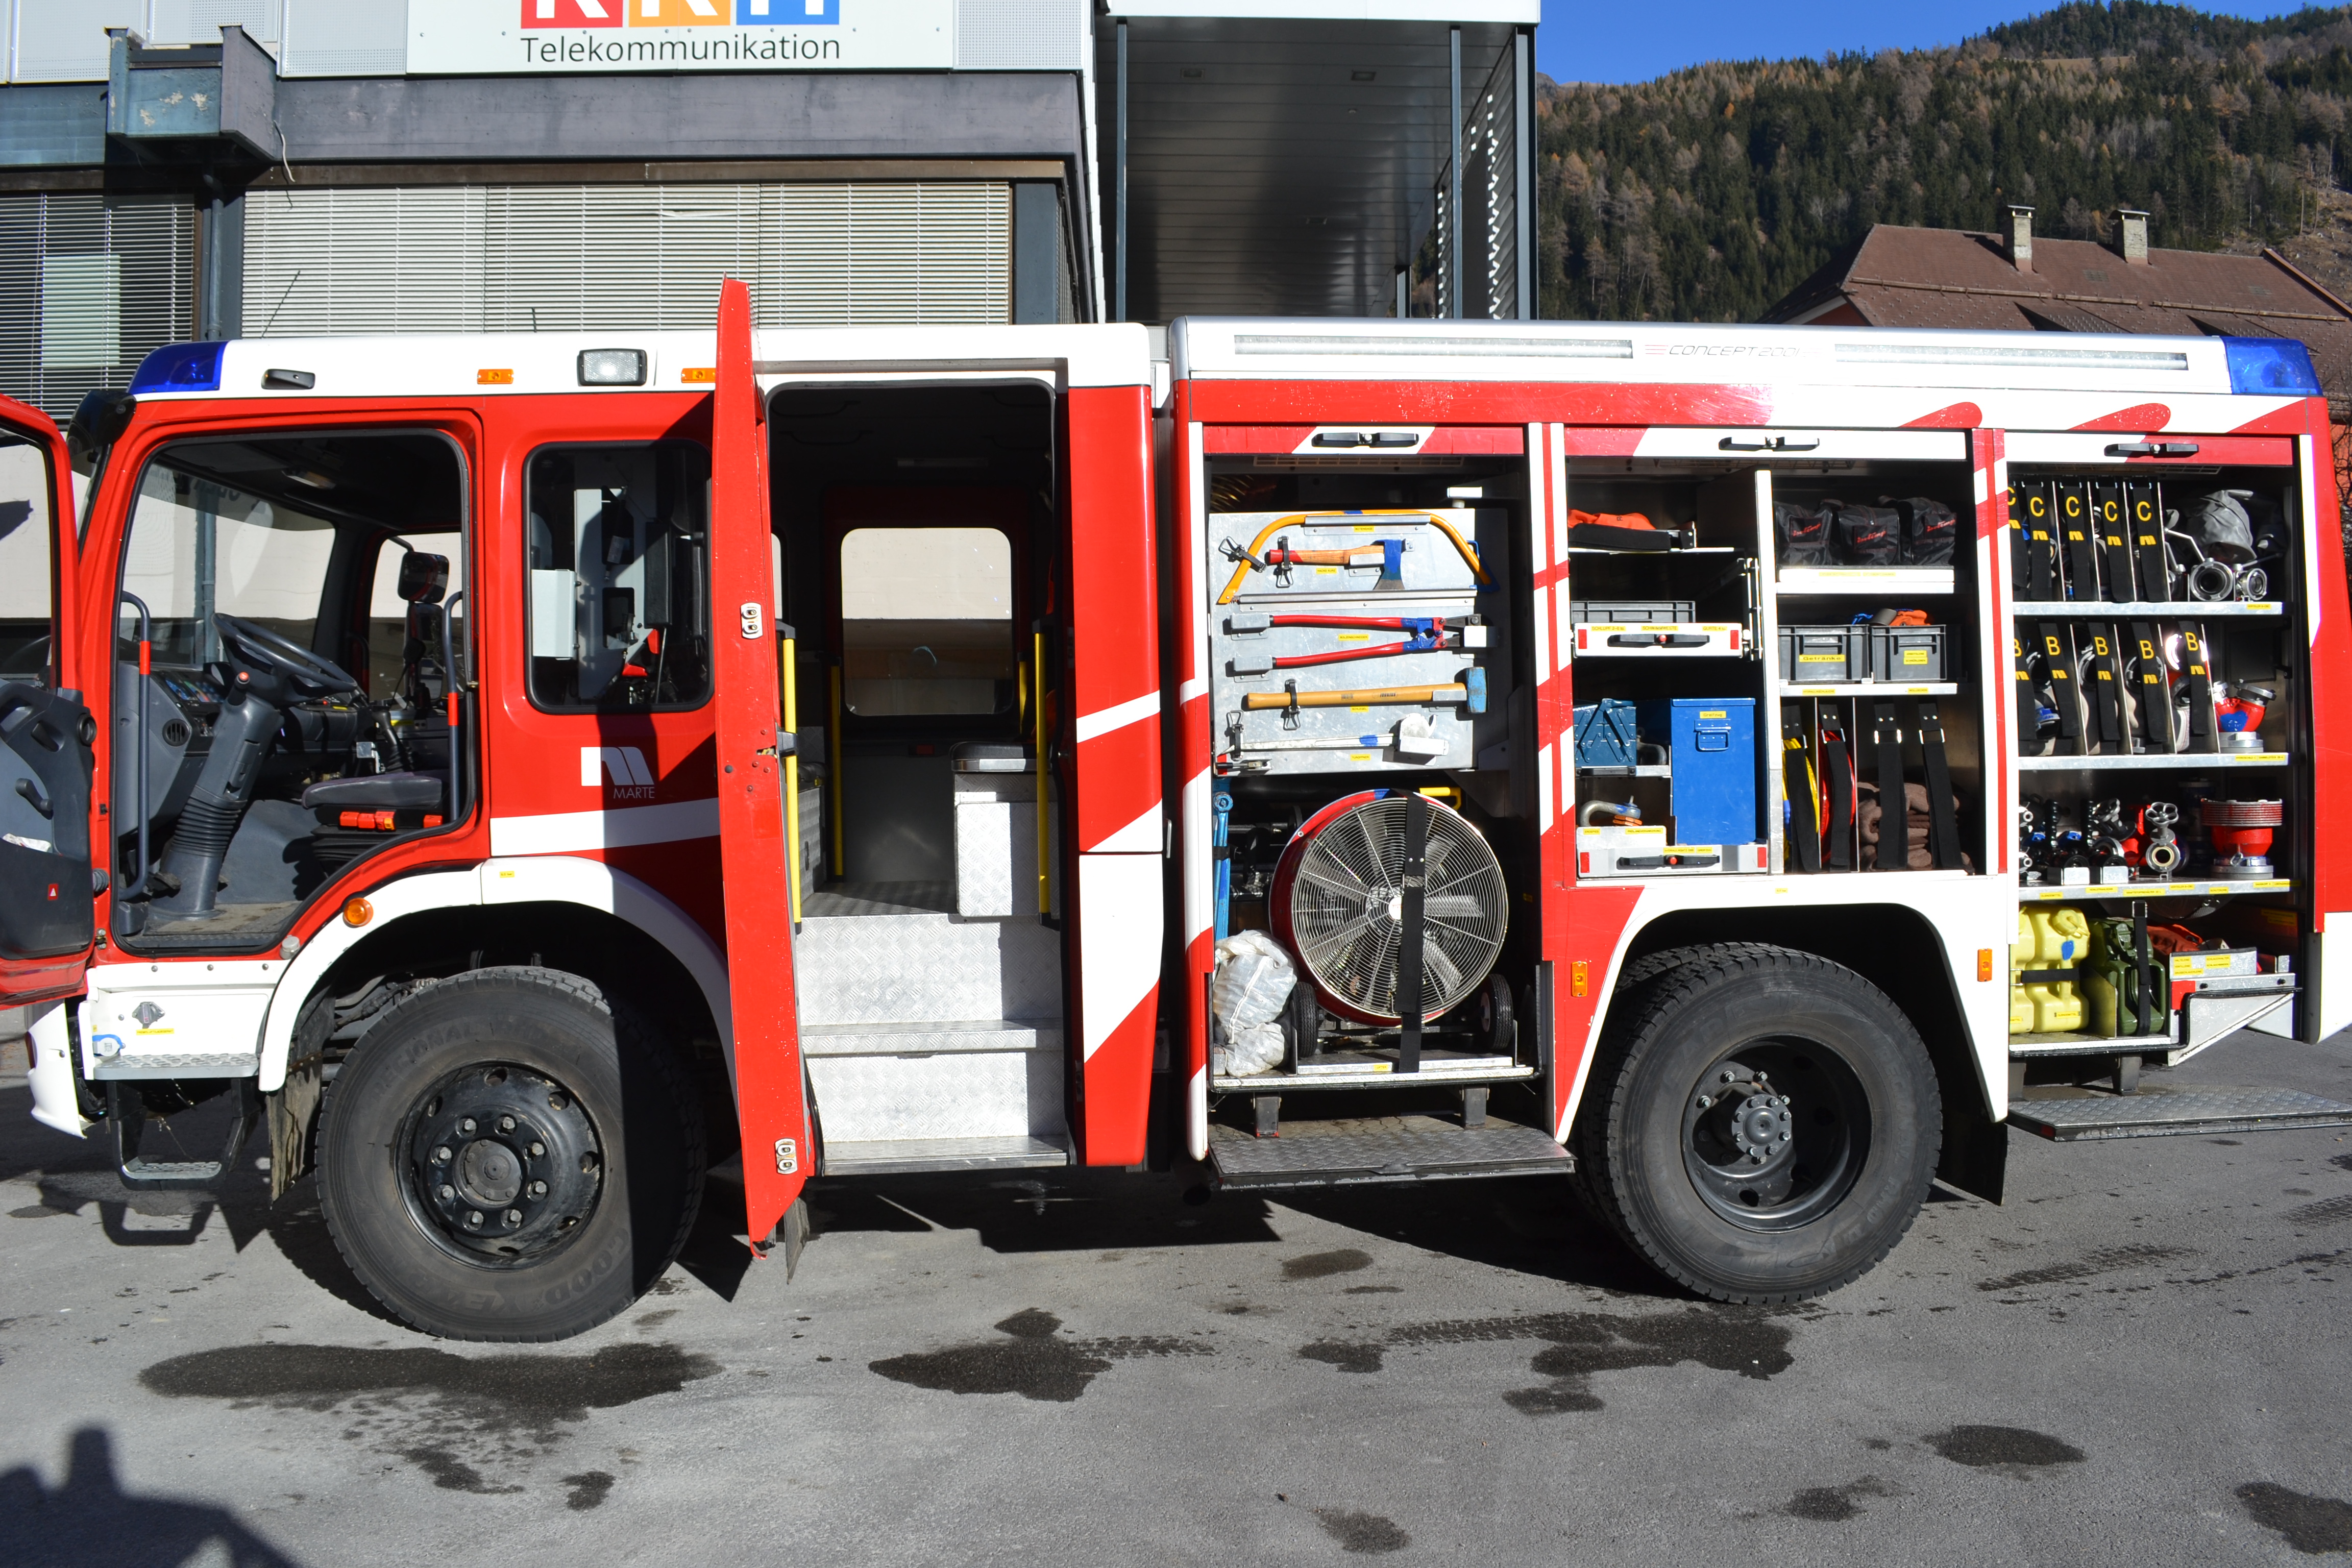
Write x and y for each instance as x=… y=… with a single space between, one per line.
x=1761 y=1124
x=506 y=1156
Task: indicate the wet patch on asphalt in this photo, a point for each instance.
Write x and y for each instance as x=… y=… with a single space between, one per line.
x=1346 y=1357
x=1828 y=1505
x=1323 y=1265
x=2327 y=1211
x=1033 y=1360
x=449 y=1415
x=2104 y=1261
x=1749 y=1342
x=588 y=1489
x=2342 y=1161
x=2312 y=1525
x=1367 y=1533
x=2012 y=1449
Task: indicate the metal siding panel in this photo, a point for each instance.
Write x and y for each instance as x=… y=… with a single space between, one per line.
x=65 y=40
x=1020 y=35
x=336 y=37
x=199 y=21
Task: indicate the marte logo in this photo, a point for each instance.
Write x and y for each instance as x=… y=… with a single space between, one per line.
x=572 y=13
x=538 y=14
x=788 y=13
x=622 y=767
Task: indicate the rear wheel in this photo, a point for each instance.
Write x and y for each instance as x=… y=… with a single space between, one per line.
x=506 y=1156
x=1761 y=1124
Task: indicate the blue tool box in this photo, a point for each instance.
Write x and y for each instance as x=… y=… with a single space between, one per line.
x=1711 y=746
x=1604 y=734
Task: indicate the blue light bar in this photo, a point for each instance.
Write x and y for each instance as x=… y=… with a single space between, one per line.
x=197 y=367
x=2279 y=366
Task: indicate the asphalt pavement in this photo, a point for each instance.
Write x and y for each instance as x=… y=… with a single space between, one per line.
x=2142 y=1357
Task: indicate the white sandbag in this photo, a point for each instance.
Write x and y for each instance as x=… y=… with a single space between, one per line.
x=1254 y=979
x=1253 y=1049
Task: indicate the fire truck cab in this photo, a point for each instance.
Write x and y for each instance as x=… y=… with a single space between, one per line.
x=526 y=774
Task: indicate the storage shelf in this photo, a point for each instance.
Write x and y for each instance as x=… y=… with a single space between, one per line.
x=2180 y=761
x=2036 y=893
x=1865 y=580
x=2154 y=610
x=1872 y=688
x=1638 y=771
x=1655 y=554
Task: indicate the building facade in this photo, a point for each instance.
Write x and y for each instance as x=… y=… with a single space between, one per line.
x=173 y=169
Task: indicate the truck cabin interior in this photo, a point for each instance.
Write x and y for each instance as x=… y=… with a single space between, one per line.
x=295 y=594
x=918 y=538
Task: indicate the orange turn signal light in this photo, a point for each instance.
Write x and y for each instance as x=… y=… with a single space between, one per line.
x=698 y=375
x=1984 y=963
x=494 y=378
x=358 y=912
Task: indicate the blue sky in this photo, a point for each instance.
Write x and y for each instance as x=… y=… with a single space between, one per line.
x=1598 y=40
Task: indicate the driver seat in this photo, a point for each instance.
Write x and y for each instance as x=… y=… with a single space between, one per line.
x=373 y=792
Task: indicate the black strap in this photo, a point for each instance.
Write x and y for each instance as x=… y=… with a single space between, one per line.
x=2021 y=556
x=2154 y=697
x=1943 y=818
x=2110 y=700
x=2115 y=539
x=2041 y=546
x=2058 y=648
x=1894 y=805
x=1801 y=787
x=2144 y=503
x=2197 y=675
x=1837 y=856
x=2028 y=690
x=1412 y=885
x=2074 y=526
x=2155 y=985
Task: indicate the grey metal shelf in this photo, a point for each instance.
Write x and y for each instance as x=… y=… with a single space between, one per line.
x=2180 y=761
x=2146 y=609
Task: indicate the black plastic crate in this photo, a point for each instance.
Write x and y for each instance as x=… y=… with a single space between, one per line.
x=1816 y=656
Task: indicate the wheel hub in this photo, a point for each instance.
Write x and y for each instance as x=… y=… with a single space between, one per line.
x=1761 y=1126
x=1740 y=1134
x=505 y=1163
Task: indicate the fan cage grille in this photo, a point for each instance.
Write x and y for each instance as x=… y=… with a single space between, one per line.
x=1343 y=907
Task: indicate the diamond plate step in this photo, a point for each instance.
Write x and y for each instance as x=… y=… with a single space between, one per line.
x=2171 y=1112
x=926 y=968
x=902 y=1156
x=1384 y=1149
x=930 y=1039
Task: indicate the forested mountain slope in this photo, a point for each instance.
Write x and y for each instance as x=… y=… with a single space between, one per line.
x=1708 y=193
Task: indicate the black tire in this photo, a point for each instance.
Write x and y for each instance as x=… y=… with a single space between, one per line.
x=1843 y=1127
x=603 y=1171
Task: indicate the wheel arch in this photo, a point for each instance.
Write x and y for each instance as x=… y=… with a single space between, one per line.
x=433 y=915
x=1900 y=950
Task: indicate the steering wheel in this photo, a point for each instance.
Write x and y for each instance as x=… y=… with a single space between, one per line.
x=281 y=656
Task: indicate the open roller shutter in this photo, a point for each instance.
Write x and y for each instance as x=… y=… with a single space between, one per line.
x=89 y=286
x=570 y=257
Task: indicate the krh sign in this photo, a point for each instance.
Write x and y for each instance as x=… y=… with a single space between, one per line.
x=468 y=37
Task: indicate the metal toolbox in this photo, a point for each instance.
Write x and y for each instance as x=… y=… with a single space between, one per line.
x=1815 y=656
x=1606 y=735
x=1908 y=655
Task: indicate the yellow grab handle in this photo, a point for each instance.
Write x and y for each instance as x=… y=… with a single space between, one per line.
x=785 y=665
x=1044 y=818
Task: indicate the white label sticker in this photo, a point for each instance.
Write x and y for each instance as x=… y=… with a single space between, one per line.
x=788 y=1156
x=754 y=619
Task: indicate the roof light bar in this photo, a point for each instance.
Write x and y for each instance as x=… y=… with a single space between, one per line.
x=1463 y=343
x=1986 y=354
x=612 y=367
x=2275 y=365
x=180 y=367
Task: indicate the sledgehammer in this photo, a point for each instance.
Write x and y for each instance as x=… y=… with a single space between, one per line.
x=1470 y=691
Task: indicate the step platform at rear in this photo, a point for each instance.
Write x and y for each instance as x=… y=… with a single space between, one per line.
x=2070 y=1116
x=1347 y=1150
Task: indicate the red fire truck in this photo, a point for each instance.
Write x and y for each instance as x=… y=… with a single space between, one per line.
x=528 y=773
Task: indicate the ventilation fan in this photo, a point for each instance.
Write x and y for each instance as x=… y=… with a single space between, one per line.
x=1339 y=906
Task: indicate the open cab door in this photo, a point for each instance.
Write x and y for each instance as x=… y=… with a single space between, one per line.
x=47 y=888
x=755 y=862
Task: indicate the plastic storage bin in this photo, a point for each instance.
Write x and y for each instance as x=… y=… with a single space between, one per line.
x=1816 y=656
x=1908 y=655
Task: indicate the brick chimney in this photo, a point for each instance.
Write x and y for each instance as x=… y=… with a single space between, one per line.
x=2021 y=238
x=2131 y=235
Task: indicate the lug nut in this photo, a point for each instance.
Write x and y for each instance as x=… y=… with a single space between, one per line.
x=1728 y=1079
x=447 y=1193
x=473 y=1219
x=539 y=1189
x=441 y=1154
x=537 y=1149
x=506 y=1123
x=1705 y=1101
x=466 y=1127
x=513 y=1219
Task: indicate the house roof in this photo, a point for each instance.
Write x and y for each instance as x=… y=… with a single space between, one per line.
x=1898 y=277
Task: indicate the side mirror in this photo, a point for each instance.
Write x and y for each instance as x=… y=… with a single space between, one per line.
x=97 y=424
x=423 y=578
